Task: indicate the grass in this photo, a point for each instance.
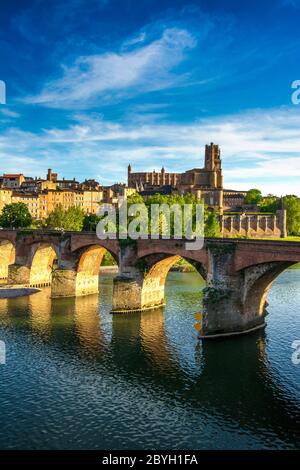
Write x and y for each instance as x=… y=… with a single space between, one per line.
x=295 y=266
x=286 y=239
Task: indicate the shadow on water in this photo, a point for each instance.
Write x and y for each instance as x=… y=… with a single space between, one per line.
x=141 y=373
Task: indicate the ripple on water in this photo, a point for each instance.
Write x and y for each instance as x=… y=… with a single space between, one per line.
x=78 y=377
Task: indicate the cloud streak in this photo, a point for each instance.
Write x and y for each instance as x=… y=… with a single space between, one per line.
x=113 y=75
x=259 y=148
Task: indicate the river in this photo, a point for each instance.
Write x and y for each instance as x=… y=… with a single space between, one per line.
x=77 y=377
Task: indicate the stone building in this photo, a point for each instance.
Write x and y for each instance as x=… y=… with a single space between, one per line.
x=206 y=183
x=12 y=181
x=116 y=193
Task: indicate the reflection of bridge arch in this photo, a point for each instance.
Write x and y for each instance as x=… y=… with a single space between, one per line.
x=89 y=261
x=41 y=264
x=248 y=387
x=7 y=257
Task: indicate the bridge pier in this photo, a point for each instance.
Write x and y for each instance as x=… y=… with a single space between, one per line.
x=70 y=283
x=18 y=274
x=139 y=287
x=132 y=294
x=225 y=313
x=234 y=301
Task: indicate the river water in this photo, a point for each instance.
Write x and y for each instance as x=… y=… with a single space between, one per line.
x=77 y=377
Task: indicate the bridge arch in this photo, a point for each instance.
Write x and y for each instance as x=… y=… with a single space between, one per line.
x=258 y=281
x=42 y=259
x=156 y=269
x=88 y=267
x=7 y=257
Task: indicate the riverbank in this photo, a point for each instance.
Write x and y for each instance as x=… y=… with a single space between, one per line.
x=11 y=292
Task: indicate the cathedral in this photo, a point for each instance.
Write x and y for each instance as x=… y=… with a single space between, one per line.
x=205 y=183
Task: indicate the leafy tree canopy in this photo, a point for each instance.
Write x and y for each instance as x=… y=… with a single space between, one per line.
x=253 y=196
x=269 y=203
x=15 y=215
x=292 y=206
x=90 y=222
x=70 y=219
x=212 y=228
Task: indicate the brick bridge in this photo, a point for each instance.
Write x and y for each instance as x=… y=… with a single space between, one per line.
x=238 y=273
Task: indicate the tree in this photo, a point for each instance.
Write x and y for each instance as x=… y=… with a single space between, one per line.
x=292 y=206
x=269 y=204
x=15 y=215
x=56 y=218
x=74 y=218
x=70 y=219
x=90 y=222
x=253 y=196
x=212 y=225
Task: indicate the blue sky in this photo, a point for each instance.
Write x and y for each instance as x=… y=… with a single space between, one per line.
x=95 y=84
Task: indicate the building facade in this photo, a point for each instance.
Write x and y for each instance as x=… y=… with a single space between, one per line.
x=205 y=183
x=42 y=196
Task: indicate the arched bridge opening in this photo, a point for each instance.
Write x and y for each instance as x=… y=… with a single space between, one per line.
x=155 y=278
x=90 y=260
x=7 y=257
x=142 y=286
x=43 y=263
x=258 y=282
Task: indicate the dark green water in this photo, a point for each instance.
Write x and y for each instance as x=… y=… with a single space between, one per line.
x=77 y=377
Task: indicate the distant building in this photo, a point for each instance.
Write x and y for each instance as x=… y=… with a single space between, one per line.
x=116 y=193
x=233 y=200
x=205 y=183
x=5 y=197
x=42 y=196
x=49 y=199
x=30 y=199
x=12 y=181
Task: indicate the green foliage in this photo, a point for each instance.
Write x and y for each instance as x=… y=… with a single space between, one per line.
x=212 y=225
x=134 y=198
x=253 y=196
x=15 y=215
x=90 y=222
x=70 y=219
x=170 y=200
x=108 y=259
x=184 y=266
x=269 y=204
x=166 y=224
x=292 y=206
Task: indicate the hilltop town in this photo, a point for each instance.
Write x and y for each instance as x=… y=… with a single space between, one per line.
x=43 y=195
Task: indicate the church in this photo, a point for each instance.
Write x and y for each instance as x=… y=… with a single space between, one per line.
x=205 y=183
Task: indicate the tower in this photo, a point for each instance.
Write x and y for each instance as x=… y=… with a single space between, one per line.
x=129 y=175
x=163 y=176
x=212 y=157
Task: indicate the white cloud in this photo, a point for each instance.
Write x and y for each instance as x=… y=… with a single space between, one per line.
x=110 y=75
x=136 y=39
x=259 y=148
x=9 y=113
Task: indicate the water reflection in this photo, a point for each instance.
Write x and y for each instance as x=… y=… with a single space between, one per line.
x=145 y=373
